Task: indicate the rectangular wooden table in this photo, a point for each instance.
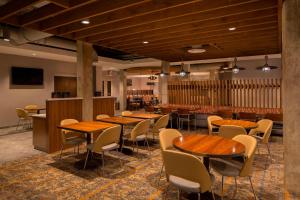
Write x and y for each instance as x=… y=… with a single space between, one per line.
x=121 y=121
x=145 y=116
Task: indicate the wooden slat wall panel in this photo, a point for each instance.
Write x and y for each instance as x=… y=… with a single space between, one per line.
x=103 y=106
x=251 y=93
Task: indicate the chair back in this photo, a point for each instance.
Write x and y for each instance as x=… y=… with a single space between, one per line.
x=183 y=111
x=102 y=116
x=209 y=120
x=264 y=126
x=188 y=167
x=161 y=123
x=250 y=146
x=64 y=131
x=247 y=116
x=149 y=108
x=230 y=131
x=21 y=113
x=126 y=113
x=108 y=136
x=141 y=128
x=166 y=138
x=274 y=117
x=165 y=110
x=31 y=108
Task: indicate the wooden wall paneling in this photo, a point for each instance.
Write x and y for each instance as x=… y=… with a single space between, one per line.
x=57 y=110
x=103 y=106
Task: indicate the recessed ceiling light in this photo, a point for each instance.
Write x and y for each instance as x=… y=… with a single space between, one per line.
x=231 y=28
x=196 y=50
x=86 y=21
x=145 y=42
x=6 y=39
x=34 y=54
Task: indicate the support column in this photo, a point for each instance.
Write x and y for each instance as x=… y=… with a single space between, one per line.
x=85 y=58
x=291 y=93
x=123 y=90
x=163 y=83
x=99 y=79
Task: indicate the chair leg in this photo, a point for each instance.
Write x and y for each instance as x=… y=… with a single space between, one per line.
x=61 y=150
x=252 y=187
x=86 y=159
x=166 y=192
x=236 y=187
x=78 y=149
x=148 y=146
x=213 y=193
x=178 y=194
x=161 y=171
x=18 y=125
x=199 y=195
x=222 y=187
x=269 y=152
x=102 y=159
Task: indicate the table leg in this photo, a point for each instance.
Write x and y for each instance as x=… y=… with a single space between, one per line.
x=206 y=162
x=126 y=151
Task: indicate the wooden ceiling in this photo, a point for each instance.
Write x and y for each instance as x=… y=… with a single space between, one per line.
x=170 y=26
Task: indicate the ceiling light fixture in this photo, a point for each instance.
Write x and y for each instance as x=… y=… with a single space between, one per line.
x=235 y=68
x=182 y=72
x=145 y=42
x=196 y=50
x=6 y=34
x=232 y=28
x=34 y=54
x=85 y=22
x=266 y=67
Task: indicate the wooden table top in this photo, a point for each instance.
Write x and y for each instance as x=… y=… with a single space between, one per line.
x=35 y=109
x=243 y=123
x=120 y=120
x=145 y=115
x=209 y=146
x=87 y=126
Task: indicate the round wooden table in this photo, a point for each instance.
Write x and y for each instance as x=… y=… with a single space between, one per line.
x=243 y=123
x=208 y=146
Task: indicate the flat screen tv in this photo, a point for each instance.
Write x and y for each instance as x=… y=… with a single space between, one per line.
x=27 y=76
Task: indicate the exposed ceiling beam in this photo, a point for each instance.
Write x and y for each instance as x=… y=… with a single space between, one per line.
x=61 y=3
x=14 y=6
x=96 y=8
x=123 y=14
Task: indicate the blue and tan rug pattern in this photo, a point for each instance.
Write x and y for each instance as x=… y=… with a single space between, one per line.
x=48 y=177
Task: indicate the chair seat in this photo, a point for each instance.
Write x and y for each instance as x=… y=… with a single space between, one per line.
x=227 y=167
x=186 y=185
x=140 y=137
x=75 y=140
x=108 y=147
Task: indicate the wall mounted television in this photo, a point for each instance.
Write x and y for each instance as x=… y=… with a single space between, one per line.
x=26 y=76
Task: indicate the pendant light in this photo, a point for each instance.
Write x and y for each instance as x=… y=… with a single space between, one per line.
x=266 y=67
x=182 y=72
x=235 y=69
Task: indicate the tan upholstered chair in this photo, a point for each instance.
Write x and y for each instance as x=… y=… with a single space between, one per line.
x=166 y=137
x=24 y=118
x=102 y=116
x=187 y=172
x=234 y=167
x=139 y=133
x=108 y=140
x=126 y=113
x=31 y=108
x=264 y=127
x=160 y=124
x=70 y=137
x=230 y=131
x=210 y=126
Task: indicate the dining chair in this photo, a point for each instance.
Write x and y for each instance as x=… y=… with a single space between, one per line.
x=230 y=131
x=160 y=124
x=102 y=116
x=184 y=115
x=139 y=133
x=107 y=141
x=24 y=118
x=211 y=128
x=70 y=137
x=277 y=118
x=166 y=137
x=168 y=111
x=264 y=128
x=187 y=172
x=237 y=167
x=126 y=113
x=31 y=109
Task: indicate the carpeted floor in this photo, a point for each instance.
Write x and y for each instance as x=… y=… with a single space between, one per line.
x=48 y=177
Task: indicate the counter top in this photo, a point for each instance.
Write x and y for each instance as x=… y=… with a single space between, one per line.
x=39 y=115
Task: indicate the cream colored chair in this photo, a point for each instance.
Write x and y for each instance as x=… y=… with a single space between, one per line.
x=265 y=127
x=24 y=118
x=102 y=116
x=70 y=137
x=187 y=172
x=166 y=137
x=126 y=113
x=230 y=131
x=139 y=133
x=210 y=126
x=107 y=141
x=31 y=108
x=234 y=167
x=160 y=124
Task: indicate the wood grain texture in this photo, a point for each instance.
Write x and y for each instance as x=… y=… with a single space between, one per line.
x=40 y=137
x=209 y=146
x=121 y=120
x=145 y=116
x=57 y=110
x=87 y=126
x=103 y=106
x=243 y=123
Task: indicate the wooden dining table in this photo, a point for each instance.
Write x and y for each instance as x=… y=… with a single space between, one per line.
x=209 y=146
x=145 y=116
x=122 y=121
x=243 y=123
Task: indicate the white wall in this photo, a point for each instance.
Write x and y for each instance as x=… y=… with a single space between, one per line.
x=10 y=99
x=140 y=83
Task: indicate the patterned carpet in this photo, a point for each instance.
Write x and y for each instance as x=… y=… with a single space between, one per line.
x=48 y=177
